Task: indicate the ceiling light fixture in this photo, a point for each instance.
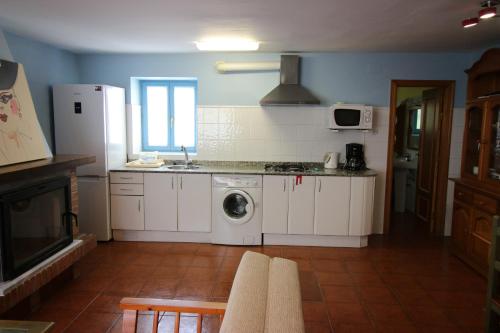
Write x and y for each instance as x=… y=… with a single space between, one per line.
x=470 y=22
x=227 y=44
x=488 y=11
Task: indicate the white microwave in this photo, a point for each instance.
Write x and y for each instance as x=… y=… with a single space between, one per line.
x=350 y=116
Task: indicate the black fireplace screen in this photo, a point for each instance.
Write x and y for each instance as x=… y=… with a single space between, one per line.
x=36 y=223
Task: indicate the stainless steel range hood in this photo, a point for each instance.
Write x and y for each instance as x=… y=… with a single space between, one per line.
x=289 y=91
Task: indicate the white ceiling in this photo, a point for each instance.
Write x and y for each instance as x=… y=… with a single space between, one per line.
x=281 y=25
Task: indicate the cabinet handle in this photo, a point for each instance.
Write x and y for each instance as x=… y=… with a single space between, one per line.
x=293 y=186
x=126 y=177
x=139 y=205
x=172 y=182
x=181 y=182
x=319 y=190
x=284 y=184
x=126 y=189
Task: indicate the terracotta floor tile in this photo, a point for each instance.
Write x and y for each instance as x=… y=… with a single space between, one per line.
x=360 y=267
x=221 y=290
x=457 y=299
x=425 y=315
x=238 y=251
x=354 y=328
x=200 y=274
x=61 y=317
x=401 y=281
x=315 y=311
x=156 y=248
x=169 y=272
x=334 y=278
x=125 y=287
x=226 y=275
x=183 y=248
x=317 y=327
x=106 y=304
x=86 y=283
x=380 y=295
x=296 y=252
x=207 y=261
x=177 y=260
x=414 y=297
x=272 y=251
x=194 y=290
x=159 y=288
x=138 y=271
x=211 y=250
x=148 y=259
x=309 y=287
x=397 y=329
x=340 y=294
x=470 y=318
x=385 y=314
x=76 y=301
x=367 y=279
x=348 y=313
x=93 y=322
x=327 y=265
x=231 y=262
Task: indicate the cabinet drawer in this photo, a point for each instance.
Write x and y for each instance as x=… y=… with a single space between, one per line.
x=127 y=189
x=126 y=178
x=463 y=195
x=484 y=203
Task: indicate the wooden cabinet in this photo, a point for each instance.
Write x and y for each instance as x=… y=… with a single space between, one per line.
x=477 y=192
x=331 y=207
x=194 y=206
x=127 y=212
x=160 y=196
x=473 y=212
x=301 y=205
x=275 y=207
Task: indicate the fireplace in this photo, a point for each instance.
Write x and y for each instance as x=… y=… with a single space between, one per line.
x=36 y=222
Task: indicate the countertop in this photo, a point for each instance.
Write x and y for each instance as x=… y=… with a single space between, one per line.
x=251 y=170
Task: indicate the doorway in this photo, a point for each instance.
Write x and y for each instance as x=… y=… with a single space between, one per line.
x=418 y=155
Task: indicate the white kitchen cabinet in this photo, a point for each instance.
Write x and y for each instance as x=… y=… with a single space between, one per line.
x=160 y=197
x=127 y=212
x=194 y=202
x=275 y=204
x=361 y=207
x=301 y=205
x=331 y=209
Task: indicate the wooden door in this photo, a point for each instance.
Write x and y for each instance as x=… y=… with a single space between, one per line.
x=301 y=205
x=331 y=206
x=275 y=205
x=432 y=102
x=194 y=202
x=160 y=193
x=462 y=217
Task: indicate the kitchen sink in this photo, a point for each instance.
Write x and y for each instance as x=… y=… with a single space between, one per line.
x=182 y=167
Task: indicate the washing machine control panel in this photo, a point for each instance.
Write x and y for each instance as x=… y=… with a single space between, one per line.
x=237 y=181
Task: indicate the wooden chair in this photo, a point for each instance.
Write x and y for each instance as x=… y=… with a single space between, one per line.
x=131 y=306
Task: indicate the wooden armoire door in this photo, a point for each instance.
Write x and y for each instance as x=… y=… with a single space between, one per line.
x=432 y=108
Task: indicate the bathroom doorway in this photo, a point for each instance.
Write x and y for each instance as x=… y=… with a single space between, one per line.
x=418 y=154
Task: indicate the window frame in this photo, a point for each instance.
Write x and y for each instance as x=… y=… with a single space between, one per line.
x=170 y=84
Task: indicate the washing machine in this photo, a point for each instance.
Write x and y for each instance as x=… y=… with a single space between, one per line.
x=237 y=209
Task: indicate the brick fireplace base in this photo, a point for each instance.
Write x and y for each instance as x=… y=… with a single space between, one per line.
x=31 y=284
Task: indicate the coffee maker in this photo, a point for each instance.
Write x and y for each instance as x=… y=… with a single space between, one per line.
x=355 y=159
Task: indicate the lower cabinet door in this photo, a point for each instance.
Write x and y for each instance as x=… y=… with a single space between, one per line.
x=480 y=237
x=460 y=226
x=160 y=193
x=127 y=212
x=361 y=206
x=194 y=202
x=331 y=210
x=275 y=205
x=301 y=205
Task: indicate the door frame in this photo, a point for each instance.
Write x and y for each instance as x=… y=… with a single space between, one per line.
x=439 y=196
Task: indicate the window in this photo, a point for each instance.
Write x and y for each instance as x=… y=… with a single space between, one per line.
x=168 y=115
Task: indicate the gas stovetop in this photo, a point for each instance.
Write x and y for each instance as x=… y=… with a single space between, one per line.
x=285 y=167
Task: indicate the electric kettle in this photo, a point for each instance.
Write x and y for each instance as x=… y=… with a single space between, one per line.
x=331 y=160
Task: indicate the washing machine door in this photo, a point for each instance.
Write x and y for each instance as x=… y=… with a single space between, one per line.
x=238 y=207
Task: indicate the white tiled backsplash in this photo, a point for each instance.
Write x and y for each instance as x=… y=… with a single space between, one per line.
x=277 y=134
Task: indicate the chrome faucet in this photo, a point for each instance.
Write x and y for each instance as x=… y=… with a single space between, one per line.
x=186 y=156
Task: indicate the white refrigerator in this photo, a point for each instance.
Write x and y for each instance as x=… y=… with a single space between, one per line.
x=90 y=119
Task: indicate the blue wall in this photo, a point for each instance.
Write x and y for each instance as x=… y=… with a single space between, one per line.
x=45 y=66
x=333 y=77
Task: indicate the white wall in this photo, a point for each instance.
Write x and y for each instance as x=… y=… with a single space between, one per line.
x=4 y=48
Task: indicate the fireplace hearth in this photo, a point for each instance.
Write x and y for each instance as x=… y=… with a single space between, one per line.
x=36 y=222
